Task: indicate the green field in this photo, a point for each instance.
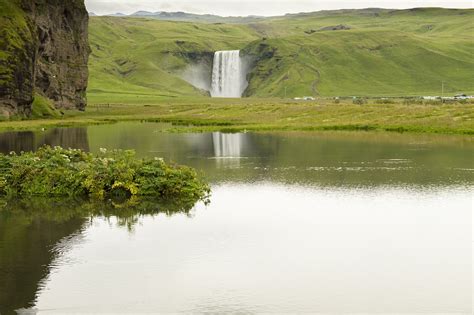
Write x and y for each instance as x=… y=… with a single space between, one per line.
x=383 y=53
x=260 y=114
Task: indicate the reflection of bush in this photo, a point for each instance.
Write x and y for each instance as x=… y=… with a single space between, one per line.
x=59 y=210
x=109 y=174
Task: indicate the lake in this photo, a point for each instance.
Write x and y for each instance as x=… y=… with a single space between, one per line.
x=329 y=222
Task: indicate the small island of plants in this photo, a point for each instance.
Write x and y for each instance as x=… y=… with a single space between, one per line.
x=58 y=172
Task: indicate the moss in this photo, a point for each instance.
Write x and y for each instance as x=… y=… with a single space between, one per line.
x=43 y=108
x=13 y=25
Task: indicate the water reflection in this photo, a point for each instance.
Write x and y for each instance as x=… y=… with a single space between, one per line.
x=26 y=254
x=227 y=149
x=31 y=140
x=227 y=145
x=318 y=159
x=284 y=249
x=37 y=233
x=311 y=213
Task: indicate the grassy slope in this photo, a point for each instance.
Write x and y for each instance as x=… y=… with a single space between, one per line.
x=43 y=108
x=140 y=58
x=385 y=53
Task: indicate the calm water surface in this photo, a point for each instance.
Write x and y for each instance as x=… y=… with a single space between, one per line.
x=298 y=222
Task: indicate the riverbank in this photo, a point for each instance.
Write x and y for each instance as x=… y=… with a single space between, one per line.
x=232 y=115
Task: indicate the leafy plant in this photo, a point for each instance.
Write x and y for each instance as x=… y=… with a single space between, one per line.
x=106 y=175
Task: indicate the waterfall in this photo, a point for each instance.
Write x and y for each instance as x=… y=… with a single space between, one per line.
x=227 y=74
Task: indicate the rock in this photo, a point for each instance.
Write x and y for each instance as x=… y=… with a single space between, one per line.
x=43 y=49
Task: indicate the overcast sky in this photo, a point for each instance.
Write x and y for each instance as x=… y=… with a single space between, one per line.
x=260 y=7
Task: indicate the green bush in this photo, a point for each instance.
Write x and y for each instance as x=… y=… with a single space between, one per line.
x=359 y=101
x=109 y=174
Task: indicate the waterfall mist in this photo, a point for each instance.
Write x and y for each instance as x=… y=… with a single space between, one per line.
x=228 y=74
x=198 y=75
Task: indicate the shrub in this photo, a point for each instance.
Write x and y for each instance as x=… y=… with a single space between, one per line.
x=359 y=101
x=386 y=101
x=60 y=172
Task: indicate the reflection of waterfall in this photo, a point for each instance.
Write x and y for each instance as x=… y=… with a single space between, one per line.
x=227 y=148
x=227 y=74
x=227 y=145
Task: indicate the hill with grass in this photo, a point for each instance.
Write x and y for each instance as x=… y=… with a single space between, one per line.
x=371 y=52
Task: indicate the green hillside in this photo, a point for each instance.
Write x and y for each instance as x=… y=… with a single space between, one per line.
x=375 y=52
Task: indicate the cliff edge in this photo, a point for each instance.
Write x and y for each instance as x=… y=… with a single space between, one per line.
x=44 y=51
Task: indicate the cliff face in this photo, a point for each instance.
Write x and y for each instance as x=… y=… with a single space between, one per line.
x=43 y=49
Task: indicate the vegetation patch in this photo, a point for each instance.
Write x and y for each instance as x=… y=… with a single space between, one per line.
x=108 y=175
x=43 y=108
x=258 y=114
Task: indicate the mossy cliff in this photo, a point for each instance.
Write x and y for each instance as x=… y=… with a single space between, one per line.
x=44 y=51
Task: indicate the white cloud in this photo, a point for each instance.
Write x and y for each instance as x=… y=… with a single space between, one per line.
x=260 y=7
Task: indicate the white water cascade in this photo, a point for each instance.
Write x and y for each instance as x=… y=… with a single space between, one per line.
x=228 y=79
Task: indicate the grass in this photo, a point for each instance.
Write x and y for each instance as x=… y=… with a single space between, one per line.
x=384 y=53
x=258 y=114
x=43 y=108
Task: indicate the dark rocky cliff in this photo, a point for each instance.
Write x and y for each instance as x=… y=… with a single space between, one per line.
x=43 y=50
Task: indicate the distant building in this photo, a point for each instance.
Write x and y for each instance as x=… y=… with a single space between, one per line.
x=431 y=98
